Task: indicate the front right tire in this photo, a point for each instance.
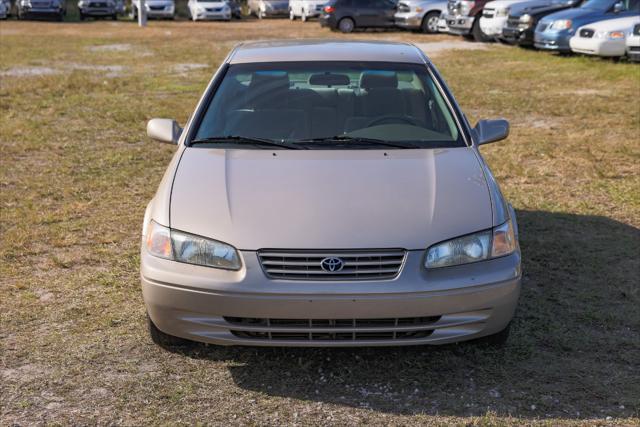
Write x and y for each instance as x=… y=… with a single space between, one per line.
x=346 y=25
x=162 y=339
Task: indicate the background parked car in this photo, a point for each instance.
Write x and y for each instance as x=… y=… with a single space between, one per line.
x=604 y=38
x=8 y=8
x=420 y=15
x=41 y=9
x=97 y=9
x=305 y=9
x=156 y=9
x=463 y=18
x=522 y=20
x=347 y=15
x=236 y=9
x=554 y=31
x=269 y=8
x=200 y=10
x=3 y=10
x=494 y=17
x=633 y=44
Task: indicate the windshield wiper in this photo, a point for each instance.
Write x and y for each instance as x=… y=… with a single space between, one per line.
x=245 y=140
x=356 y=140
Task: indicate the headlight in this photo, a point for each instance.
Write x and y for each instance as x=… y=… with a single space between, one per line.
x=561 y=24
x=475 y=247
x=188 y=248
x=525 y=19
x=502 y=12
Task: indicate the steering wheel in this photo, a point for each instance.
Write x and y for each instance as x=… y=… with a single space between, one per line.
x=393 y=119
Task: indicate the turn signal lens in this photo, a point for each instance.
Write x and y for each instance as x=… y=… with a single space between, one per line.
x=616 y=35
x=504 y=240
x=159 y=241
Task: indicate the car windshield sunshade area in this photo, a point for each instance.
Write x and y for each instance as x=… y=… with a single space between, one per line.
x=330 y=104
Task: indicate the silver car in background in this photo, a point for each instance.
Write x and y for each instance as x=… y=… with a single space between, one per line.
x=420 y=15
x=156 y=9
x=328 y=193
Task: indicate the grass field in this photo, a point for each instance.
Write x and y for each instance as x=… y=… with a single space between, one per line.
x=76 y=172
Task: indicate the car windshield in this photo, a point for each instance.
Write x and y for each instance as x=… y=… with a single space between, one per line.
x=597 y=4
x=303 y=102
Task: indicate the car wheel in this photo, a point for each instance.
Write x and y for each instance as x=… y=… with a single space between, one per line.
x=498 y=339
x=346 y=25
x=303 y=17
x=477 y=33
x=430 y=23
x=292 y=16
x=162 y=339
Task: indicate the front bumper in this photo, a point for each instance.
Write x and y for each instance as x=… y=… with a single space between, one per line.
x=521 y=36
x=213 y=16
x=247 y=308
x=161 y=13
x=492 y=27
x=459 y=24
x=408 y=20
x=598 y=46
x=552 y=40
x=88 y=11
x=42 y=11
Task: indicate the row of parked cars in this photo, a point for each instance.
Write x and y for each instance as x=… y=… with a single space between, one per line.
x=595 y=27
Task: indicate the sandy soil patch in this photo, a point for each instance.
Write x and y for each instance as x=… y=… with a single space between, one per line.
x=436 y=48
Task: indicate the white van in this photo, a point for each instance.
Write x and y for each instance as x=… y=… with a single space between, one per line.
x=305 y=9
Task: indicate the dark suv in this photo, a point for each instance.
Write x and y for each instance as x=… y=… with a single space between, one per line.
x=521 y=25
x=347 y=15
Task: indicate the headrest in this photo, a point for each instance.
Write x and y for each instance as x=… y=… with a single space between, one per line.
x=329 y=79
x=272 y=80
x=373 y=80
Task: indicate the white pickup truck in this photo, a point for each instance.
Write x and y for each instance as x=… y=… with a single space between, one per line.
x=495 y=14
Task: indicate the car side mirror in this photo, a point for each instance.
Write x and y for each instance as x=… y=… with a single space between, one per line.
x=618 y=7
x=491 y=130
x=164 y=130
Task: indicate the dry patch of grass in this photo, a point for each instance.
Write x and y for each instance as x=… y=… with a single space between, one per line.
x=76 y=172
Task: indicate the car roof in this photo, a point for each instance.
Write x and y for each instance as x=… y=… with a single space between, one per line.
x=325 y=50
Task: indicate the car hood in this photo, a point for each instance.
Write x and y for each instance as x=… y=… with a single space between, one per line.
x=528 y=6
x=330 y=199
x=578 y=14
x=212 y=4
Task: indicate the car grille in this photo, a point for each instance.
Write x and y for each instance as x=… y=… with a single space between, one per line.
x=488 y=13
x=156 y=7
x=214 y=9
x=403 y=8
x=40 y=4
x=332 y=329
x=357 y=265
x=586 y=33
x=634 y=49
x=513 y=21
x=636 y=30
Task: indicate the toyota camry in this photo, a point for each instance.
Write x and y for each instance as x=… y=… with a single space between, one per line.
x=328 y=193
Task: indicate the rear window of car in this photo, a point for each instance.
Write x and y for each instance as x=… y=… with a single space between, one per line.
x=296 y=102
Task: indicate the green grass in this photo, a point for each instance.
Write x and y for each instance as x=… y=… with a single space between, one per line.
x=76 y=172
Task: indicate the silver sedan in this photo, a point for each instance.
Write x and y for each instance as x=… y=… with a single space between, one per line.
x=336 y=200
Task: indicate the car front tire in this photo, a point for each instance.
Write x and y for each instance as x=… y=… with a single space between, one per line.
x=162 y=339
x=346 y=25
x=477 y=34
x=430 y=23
